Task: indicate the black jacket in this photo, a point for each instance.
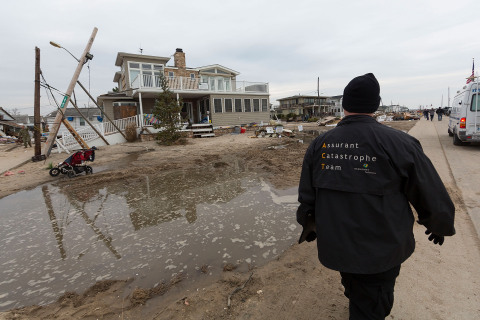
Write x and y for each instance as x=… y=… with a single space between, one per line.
x=358 y=180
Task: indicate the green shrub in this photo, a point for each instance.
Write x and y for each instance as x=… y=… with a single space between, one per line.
x=291 y=115
x=166 y=111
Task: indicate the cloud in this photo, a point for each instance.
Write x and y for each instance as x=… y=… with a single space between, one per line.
x=417 y=49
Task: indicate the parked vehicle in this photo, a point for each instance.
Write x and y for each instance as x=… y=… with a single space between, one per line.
x=464 y=123
x=75 y=164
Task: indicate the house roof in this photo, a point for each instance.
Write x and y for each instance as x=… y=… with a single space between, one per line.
x=217 y=66
x=117 y=76
x=303 y=96
x=336 y=97
x=72 y=112
x=11 y=124
x=113 y=96
x=6 y=115
x=140 y=57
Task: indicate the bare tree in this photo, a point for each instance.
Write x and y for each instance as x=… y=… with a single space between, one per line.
x=13 y=111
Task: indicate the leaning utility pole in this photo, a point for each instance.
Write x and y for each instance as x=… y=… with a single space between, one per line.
x=36 y=112
x=60 y=118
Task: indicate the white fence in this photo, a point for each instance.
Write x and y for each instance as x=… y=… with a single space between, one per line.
x=87 y=134
x=105 y=128
x=120 y=123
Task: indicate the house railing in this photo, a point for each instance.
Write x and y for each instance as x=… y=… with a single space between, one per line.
x=87 y=134
x=106 y=128
x=148 y=81
x=120 y=123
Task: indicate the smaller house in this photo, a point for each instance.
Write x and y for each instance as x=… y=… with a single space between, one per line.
x=94 y=116
x=5 y=116
x=11 y=125
x=8 y=126
x=310 y=106
x=28 y=121
x=335 y=103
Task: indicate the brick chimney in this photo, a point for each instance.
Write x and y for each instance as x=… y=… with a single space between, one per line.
x=179 y=59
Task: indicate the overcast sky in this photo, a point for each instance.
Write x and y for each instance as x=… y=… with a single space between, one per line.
x=417 y=49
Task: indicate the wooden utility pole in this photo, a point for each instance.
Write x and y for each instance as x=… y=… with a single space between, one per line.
x=36 y=112
x=60 y=118
x=318 y=94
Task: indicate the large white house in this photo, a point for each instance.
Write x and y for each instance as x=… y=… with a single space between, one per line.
x=209 y=94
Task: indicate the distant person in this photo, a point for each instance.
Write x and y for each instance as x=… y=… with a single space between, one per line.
x=357 y=183
x=425 y=114
x=439 y=113
x=25 y=137
x=432 y=113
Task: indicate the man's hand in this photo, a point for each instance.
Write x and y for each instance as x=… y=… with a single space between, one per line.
x=311 y=236
x=435 y=237
x=309 y=232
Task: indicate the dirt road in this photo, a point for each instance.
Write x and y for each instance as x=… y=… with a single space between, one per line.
x=435 y=283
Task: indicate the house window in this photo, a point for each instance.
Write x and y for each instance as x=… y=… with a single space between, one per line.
x=170 y=74
x=256 y=105
x=147 y=78
x=248 y=107
x=134 y=73
x=192 y=76
x=264 y=105
x=228 y=105
x=143 y=71
x=220 y=84
x=238 y=105
x=82 y=121
x=217 y=105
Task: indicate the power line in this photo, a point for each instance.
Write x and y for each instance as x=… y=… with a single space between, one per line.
x=47 y=86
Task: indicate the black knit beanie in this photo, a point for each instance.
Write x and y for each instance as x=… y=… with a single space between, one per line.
x=362 y=94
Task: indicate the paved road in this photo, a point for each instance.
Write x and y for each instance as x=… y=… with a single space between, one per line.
x=444 y=282
x=464 y=167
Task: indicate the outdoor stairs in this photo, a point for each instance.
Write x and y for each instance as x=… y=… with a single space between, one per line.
x=202 y=130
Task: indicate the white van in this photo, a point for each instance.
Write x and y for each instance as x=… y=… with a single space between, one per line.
x=464 y=123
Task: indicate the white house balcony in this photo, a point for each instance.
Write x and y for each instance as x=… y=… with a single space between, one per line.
x=211 y=85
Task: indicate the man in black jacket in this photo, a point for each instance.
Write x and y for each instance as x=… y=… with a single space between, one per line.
x=439 y=113
x=357 y=183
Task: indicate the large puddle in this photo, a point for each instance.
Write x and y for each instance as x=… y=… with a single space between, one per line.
x=55 y=239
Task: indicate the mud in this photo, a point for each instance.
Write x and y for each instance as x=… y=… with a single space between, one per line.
x=275 y=160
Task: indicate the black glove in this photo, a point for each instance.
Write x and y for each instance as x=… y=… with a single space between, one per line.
x=311 y=236
x=309 y=232
x=435 y=237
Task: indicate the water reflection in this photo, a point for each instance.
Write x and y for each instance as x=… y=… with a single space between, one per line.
x=59 y=238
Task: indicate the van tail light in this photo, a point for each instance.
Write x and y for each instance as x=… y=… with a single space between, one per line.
x=463 y=123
